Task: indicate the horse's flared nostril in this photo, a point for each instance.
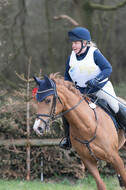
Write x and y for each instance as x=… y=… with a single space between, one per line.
x=40 y=130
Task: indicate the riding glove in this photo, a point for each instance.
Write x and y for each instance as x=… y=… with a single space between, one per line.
x=92 y=83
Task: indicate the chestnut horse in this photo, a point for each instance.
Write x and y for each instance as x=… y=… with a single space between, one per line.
x=92 y=131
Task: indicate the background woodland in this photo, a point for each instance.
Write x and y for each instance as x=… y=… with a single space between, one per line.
x=38 y=29
x=33 y=40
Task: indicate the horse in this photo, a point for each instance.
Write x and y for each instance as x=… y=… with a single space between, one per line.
x=92 y=132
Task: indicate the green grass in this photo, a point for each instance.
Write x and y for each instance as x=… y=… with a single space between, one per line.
x=87 y=183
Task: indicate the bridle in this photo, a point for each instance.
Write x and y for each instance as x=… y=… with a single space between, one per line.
x=52 y=114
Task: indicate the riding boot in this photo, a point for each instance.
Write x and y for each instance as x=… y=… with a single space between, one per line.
x=121 y=116
x=65 y=142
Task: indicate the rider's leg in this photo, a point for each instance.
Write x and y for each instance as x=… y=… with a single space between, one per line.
x=121 y=115
x=65 y=142
x=113 y=103
x=119 y=109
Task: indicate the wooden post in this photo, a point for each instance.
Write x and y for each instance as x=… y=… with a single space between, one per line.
x=42 y=168
x=28 y=126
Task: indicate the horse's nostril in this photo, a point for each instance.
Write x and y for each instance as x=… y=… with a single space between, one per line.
x=40 y=129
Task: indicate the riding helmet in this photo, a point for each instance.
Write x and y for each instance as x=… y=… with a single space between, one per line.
x=79 y=34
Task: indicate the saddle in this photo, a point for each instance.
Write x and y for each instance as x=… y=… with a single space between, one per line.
x=104 y=105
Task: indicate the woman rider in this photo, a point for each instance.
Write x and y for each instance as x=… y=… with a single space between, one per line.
x=89 y=69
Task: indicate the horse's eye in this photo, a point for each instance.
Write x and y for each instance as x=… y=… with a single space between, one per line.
x=48 y=100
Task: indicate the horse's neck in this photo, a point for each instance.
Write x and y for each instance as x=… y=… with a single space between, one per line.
x=81 y=115
x=68 y=98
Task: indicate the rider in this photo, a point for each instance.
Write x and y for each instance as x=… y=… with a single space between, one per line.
x=89 y=69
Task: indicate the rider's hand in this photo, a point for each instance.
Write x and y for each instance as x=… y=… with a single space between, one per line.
x=92 y=83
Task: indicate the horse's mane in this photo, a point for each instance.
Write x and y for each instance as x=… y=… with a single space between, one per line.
x=60 y=80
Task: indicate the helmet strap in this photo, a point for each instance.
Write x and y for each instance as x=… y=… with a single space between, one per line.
x=82 y=47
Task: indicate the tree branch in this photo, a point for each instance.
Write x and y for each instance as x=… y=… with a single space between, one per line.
x=21 y=76
x=68 y=18
x=107 y=8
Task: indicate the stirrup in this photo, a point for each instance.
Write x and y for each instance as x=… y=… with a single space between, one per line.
x=65 y=143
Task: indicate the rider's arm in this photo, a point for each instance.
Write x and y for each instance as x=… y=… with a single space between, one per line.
x=66 y=74
x=103 y=64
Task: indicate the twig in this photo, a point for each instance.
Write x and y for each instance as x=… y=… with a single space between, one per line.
x=68 y=18
x=17 y=151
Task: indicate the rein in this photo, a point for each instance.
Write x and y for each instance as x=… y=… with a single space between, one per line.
x=52 y=112
x=63 y=113
x=52 y=116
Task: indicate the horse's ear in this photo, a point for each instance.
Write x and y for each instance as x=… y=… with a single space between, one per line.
x=47 y=80
x=38 y=81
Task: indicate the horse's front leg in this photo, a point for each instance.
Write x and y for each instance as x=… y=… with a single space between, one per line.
x=118 y=164
x=91 y=165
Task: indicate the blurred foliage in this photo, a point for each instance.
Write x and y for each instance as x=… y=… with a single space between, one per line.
x=13 y=118
x=29 y=29
x=13 y=113
x=120 y=90
x=56 y=161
